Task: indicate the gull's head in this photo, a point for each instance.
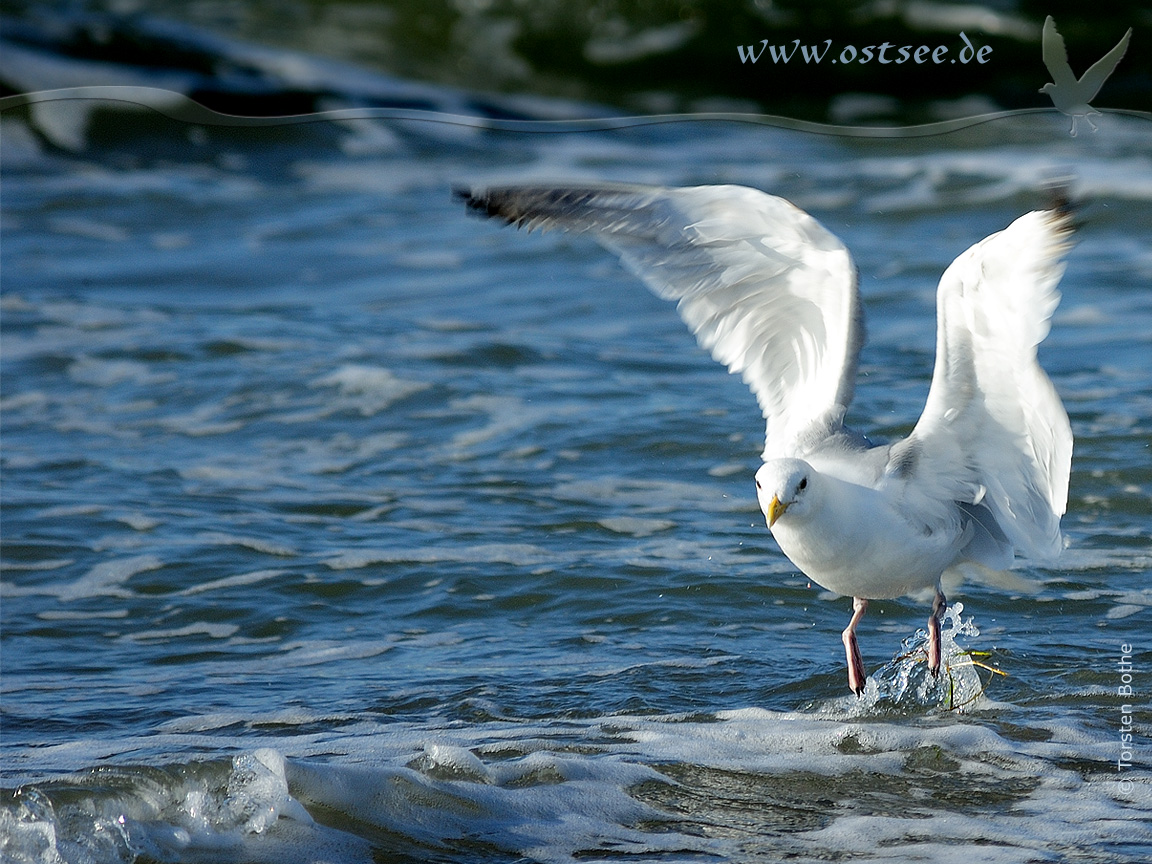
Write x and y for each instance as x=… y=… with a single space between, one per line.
x=784 y=486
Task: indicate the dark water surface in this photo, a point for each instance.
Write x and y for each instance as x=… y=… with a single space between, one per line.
x=340 y=526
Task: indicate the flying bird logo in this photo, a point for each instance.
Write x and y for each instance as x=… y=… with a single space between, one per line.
x=1069 y=95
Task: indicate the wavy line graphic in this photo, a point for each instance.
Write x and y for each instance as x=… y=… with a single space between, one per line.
x=177 y=106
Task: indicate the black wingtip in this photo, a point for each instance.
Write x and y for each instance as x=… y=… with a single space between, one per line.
x=482 y=204
x=473 y=199
x=1062 y=203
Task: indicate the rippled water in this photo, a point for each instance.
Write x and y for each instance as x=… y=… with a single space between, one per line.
x=340 y=526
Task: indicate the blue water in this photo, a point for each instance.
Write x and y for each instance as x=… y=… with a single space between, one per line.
x=338 y=525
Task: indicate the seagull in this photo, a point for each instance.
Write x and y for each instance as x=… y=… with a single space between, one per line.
x=1071 y=96
x=773 y=295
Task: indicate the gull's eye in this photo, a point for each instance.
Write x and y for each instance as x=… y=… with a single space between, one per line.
x=803 y=483
x=758 y=486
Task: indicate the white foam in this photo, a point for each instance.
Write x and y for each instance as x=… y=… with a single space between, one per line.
x=928 y=180
x=557 y=791
x=89 y=229
x=199 y=628
x=544 y=806
x=337 y=454
x=515 y=554
x=238 y=477
x=138 y=521
x=367 y=389
x=107 y=373
x=647 y=495
x=366 y=175
x=636 y=525
x=729 y=469
x=214 y=721
x=107 y=579
x=201 y=421
x=1082 y=315
x=45 y=564
x=67 y=615
x=507 y=416
x=447 y=762
x=65 y=510
x=31 y=399
x=1124 y=610
x=257 y=544
x=320 y=651
x=240 y=579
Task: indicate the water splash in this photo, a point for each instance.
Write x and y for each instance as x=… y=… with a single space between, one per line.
x=905 y=685
x=34 y=831
x=906 y=679
x=120 y=814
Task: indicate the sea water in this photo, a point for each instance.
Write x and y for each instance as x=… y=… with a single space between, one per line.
x=339 y=526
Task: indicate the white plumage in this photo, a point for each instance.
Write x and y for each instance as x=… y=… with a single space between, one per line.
x=773 y=296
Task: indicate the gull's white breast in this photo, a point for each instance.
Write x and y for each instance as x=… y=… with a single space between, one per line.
x=857 y=543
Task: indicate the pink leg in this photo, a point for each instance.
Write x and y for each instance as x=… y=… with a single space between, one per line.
x=856 y=676
x=938 y=607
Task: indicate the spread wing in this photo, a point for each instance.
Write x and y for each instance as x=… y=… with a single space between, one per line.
x=763 y=286
x=1055 y=55
x=993 y=432
x=1095 y=77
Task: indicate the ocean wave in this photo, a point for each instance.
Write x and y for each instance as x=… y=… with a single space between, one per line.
x=801 y=785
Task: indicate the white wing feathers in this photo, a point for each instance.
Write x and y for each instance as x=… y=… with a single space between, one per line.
x=993 y=431
x=763 y=286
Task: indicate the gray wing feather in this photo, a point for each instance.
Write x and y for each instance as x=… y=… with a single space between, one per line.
x=763 y=286
x=994 y=432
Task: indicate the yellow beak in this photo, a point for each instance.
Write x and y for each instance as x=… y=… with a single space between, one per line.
x=775 y=510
